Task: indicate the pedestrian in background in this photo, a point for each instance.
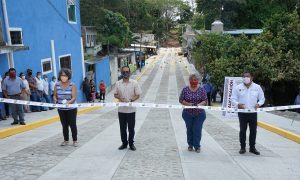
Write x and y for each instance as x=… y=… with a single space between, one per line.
x=40 y=89
x=12 y=89
x=34 y=90
x=102 y=88
x=2 y=108
x=52 y=86
x=193 y=95
x=85 y=87
x=297 y=101
x=46 y=90
x=92 y=91
x=25 y=95
x=127 y=90
x=208 y=88
x=6 y=105
x=248 y=95
x=65 y=93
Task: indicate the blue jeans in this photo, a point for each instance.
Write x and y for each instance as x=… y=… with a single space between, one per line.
x=36 y=98
x=45 y=99
x=2 y=108
x=194 y=128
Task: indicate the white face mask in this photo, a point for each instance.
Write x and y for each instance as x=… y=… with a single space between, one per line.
x=64 y=78
x=23 y=77
x=246 y=80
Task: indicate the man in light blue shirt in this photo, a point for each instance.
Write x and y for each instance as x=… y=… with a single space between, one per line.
x=248 y=95
x=12 y=88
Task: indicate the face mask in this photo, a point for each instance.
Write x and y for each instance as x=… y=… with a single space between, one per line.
x=46 y=79
x=64 y=79
x=54 y=80
x=40 y=77
x=12 y=74
x=194 y=83
x=246 y=80
x=23 y=77
x=125 y=75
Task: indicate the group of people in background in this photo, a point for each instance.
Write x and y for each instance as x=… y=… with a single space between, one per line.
x=89 y=90
x=27 y=87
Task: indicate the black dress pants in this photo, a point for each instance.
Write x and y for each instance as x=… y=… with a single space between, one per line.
x=245 y=119
x=68 y=118
x=127 y=119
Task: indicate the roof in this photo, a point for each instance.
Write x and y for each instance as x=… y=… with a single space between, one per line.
x=244 y=31
x=95 y=59
x=143 y=46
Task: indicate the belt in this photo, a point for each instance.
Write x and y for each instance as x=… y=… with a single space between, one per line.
x=15 y=95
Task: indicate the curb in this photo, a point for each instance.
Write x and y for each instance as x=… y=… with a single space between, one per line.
x=284 y=133
x=19 y=129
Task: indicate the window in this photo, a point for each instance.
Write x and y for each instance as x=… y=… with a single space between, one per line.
x=16 y=36
x=46 y=65
x=71 y=11
x=65 y=62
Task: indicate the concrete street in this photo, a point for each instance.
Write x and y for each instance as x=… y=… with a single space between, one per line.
x=160 y=141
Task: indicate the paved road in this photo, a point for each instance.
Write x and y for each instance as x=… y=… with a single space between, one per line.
x=160 y=141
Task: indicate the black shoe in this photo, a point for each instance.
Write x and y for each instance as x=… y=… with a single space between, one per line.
x=14 y=123
x=132 y=148
x=123 y=147
x=22 y=123
x=190 y=148
x=242 y=151
x=254 y=151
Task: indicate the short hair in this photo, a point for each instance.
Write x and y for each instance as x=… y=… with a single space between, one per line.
x=249 y=72
x=68 y=73
x=125 y=67
x=193 y=76
x=21 y=74
x=11 y=69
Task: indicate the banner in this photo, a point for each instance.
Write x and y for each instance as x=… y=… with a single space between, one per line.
x=229 y=84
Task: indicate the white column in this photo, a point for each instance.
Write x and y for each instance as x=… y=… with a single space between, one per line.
x=53 y=58
x=82 y=59
x=10 y=56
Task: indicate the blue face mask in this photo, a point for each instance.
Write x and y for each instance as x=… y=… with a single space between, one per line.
x=40 y=77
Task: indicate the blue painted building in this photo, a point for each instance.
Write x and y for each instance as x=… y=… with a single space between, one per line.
x=44 y=35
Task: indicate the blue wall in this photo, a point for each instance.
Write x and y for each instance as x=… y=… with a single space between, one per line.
x=42 y=22
x=102 y=72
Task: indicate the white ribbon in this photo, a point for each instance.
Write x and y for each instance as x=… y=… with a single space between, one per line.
x=146 y=105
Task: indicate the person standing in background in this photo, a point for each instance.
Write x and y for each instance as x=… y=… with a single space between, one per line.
x=2 y=108
x=40 y=89
x=208 y=88
x=102 y=88
x=26 y=93
x=52 y=86
x=46 y=90
x=33 y=89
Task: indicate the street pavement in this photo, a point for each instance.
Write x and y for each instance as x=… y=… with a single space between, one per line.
x=160 y=140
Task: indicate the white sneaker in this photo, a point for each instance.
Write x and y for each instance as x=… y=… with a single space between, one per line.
x=75 y=143
x=65 y=143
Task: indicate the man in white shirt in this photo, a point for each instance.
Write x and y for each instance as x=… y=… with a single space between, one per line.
x=127 y=90
x=40 y=88
x=248 y=95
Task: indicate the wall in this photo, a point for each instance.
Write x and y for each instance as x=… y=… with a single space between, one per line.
x=42 y=22
x=102 y=72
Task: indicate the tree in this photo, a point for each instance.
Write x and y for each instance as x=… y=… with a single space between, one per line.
x=185 y=13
